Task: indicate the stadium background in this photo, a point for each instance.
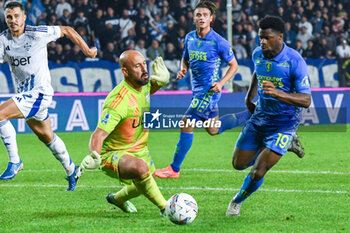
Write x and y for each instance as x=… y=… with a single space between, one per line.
x=308 y=195
x=158 y=28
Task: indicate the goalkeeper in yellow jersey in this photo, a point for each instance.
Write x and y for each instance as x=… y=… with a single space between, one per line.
x=119 y=144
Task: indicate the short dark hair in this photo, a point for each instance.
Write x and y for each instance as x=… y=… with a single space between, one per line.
x=206 y=4
x=13 y=4
x=273 y=22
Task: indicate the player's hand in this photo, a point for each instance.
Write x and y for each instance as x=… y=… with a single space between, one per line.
x=161 y=74
x=181 y=74
x=270 y=89
x=216 y=87
x=91 y=161
x=92 y=52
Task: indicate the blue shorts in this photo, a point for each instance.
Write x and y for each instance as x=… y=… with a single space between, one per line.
x=204 y=107
x=254 y=137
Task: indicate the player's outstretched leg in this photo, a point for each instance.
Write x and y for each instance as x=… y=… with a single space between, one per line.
x=296 y=147
x=58 y=149
x=121 y=198
x=230 y=121
x=249 y=186
x=8 y=136
x=183 y=146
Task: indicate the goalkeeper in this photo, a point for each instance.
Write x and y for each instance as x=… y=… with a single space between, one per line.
x=119 y=144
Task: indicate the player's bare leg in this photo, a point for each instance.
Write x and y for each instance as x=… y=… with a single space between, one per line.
x=265 y=161
x=9 y=110
x=57 y=147
x=137 y=170
x=183 y=146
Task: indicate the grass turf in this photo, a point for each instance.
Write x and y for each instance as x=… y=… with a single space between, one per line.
x=298 y=195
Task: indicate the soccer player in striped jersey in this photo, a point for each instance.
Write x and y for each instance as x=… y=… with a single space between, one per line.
x=119 y=143
x=25 y=49
x=282 y=84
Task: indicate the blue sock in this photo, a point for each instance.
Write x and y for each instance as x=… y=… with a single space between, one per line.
x=182 y=147
x=230 y=121
x=249 y=186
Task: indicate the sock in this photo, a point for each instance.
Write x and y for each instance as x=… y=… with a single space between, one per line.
x=182 y=147
x=148 y=187
x=249 y=186
x=59 y=150
x=230 y=121
x=8 y=136
x=126 y=193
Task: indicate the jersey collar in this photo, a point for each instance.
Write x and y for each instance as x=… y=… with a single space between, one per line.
x=206 y=37
x=279 y=57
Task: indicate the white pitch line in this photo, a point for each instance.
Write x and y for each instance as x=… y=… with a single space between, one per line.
x=273 y=171
x=180 y=188
x=218 y=170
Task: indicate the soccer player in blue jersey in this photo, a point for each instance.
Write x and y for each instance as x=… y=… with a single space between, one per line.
x=203 y=52
x=282 y=84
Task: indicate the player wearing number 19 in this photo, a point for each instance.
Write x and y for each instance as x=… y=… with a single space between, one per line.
x=282 y=84
x=25 y=49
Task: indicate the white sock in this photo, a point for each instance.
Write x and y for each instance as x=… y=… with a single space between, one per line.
x=59 y=150
x=8 y=136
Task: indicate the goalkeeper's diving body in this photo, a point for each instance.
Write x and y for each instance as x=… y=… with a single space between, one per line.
x=119 y=144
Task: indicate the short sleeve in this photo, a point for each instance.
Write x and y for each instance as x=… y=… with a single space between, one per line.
x=48 y=33
x=225 y=50
x=301 y=77
x=185 y=50
x=109 y=119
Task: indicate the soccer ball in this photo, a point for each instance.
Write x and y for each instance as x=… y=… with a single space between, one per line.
x=181 y=208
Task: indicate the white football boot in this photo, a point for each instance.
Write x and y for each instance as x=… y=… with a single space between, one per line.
x=233 y=208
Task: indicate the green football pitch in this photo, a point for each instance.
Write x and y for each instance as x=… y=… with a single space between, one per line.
x=298 y=195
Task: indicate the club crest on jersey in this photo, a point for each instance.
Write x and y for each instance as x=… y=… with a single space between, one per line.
x=268 y=65
x=27 y=46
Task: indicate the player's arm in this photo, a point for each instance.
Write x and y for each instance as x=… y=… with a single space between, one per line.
x=93 y=159
x=96 y=140
x=296 y=99
x=160 y=75
x=252 y=92
x=233 y=67
x=185 y=64
x=76 y=38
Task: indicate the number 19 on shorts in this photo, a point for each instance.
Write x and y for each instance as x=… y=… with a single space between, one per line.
x=282 y=140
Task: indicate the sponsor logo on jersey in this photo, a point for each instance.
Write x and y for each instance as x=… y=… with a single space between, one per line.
x=7 y=48
x=19 y=61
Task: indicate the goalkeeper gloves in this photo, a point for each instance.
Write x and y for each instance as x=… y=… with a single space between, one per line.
x=161 y=74
x=90 y=162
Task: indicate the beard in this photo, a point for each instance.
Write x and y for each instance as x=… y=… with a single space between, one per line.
x=142 y=81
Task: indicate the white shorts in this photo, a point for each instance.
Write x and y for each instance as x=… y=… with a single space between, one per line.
x=33 y=104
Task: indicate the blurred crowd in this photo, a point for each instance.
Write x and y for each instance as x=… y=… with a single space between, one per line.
x=316 y=28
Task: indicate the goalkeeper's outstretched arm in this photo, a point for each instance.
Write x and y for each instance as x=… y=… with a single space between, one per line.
x=93 y=160
x=160 y=75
